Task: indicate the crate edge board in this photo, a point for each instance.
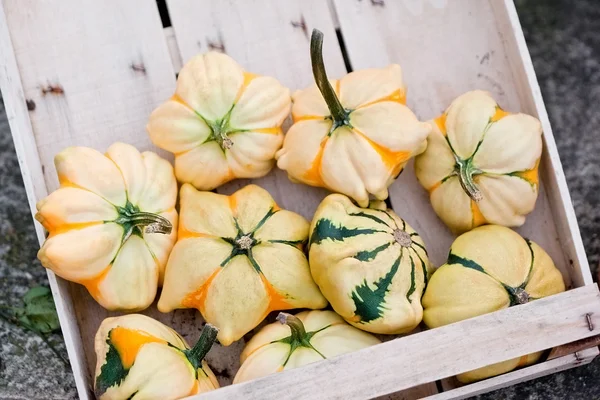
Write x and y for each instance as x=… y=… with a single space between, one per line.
x=518 y=376
x=501 y=335
x=31 y=171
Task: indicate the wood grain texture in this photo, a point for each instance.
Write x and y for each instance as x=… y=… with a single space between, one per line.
x=268 y=38
x=407 y=362
x=447 y=48
x=520 y=375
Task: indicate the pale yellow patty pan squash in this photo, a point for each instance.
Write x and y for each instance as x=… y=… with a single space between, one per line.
x=481 y=164
x=238 y=258
x=298 y=340
x=353 y=135
x=222 y=123
x=488 y=269
x=112 y=223
x=137 y=357
x=370 y=265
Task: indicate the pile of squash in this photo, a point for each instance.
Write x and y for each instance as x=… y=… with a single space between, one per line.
x=125 y=223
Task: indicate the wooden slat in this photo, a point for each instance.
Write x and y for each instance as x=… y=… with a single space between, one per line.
x=109 y=66
x=445 y=48
x=518 y=376
x=435 y=354
x=268 y=38
x=33 y=180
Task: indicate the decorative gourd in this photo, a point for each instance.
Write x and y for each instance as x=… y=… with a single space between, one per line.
x=370 y=265
x=353 y=135
x=488 y=269
x=138 y=357
x=481 y=164
x=238 y=258
x=111 y=223
x=222 y=123
x=299 y=340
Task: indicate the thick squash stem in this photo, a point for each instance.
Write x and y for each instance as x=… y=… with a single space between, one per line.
x=518 y=296
x=134 y=220
x=203 y=345
x=338 y=113
x=299 y=336
x=465 y=172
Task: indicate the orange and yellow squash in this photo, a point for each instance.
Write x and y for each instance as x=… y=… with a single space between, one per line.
x=111 y=224
x=353 y=135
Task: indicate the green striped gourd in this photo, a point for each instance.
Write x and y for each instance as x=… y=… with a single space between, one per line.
x=370 y=265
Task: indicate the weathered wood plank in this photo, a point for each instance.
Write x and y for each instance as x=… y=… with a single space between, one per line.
x=435 y=354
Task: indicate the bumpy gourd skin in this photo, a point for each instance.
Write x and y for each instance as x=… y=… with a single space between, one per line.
x=353 y=135
x=488 y=269
x=308 y=337
x=370 y=265
x=138 y=357
x=238 y=258
x=111 y=224
x=481 y=164
x=222 y=123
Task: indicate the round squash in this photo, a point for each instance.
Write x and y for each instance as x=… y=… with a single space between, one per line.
x=111 y=224
x=298 y=340
x=353 y=135
x=238 y=258
x=488 y=269
x=481 y=164
x=222 y=123
x=370 y=265
x=138 y=357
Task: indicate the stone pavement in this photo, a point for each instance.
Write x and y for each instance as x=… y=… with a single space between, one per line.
x=564 y=41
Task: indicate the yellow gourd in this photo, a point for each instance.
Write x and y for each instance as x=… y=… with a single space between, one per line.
x=370 y=265
x=353 y=135
x=488 y=269
x=481 y=164
x=138 y=357
x=298 y=340
x=222 y=123
x=238 y=258
x=111 y=224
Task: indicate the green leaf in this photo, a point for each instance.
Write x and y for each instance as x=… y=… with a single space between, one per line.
x=39 y=313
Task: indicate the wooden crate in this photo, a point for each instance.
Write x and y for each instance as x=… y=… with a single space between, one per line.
x=84 y=72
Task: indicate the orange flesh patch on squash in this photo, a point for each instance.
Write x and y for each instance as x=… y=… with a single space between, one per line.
x=397 y=96
x=248 y=77
x=195 y=389
x=55 y=227
x=500 y=113
x=478 y=218
x=435 y=186
x=441 y=124
x=523 y=361
x=198 y=298
x=128 y=343
x=184 y=233
x=313 y=175
x=92 y=284
x=296 y=118
x=277 y=301
x=530 y=175
x=393 y=160
x=271 y=131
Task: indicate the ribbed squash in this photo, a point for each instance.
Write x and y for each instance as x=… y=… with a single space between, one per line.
x=238 y=258
x=222 y=123
x=370 y=265
x=298 y=340
x=481 y=164
x=488 y=269
x=353 y=135
x=140 y=358
x=110 y=223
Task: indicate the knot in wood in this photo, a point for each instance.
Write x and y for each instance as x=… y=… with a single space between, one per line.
x=402 y=238
x=245 y=242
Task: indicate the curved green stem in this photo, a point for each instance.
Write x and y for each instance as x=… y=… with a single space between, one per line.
x=131 y=218
x=338 y=113
x=202 y=346
x=465 y=172
x=299 y=336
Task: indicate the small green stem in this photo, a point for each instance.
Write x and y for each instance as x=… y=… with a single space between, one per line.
x=465 y=172
x=299 y=337
x=338 y=113
x=203 y=345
